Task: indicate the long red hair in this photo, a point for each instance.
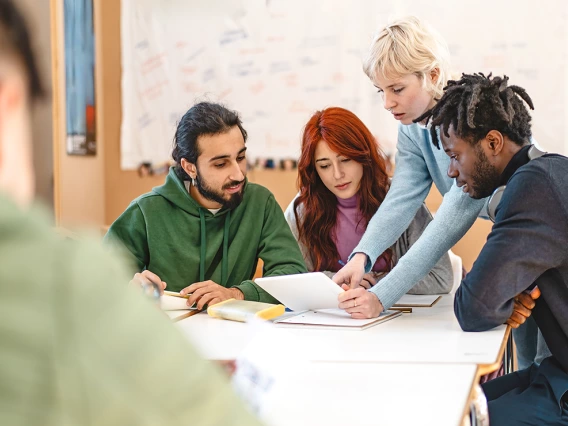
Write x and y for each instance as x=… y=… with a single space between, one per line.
x=345 y=134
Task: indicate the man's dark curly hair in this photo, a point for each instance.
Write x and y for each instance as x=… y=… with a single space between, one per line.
x=476 y=104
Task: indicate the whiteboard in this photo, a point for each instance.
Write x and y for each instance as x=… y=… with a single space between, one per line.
x=276 y=62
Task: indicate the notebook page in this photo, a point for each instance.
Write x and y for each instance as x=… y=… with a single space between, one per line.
x=172 y=303
x=336 y=317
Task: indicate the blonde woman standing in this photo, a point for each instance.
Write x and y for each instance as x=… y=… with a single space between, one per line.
x=409 y=64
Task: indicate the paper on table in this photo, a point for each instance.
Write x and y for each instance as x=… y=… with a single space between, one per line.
x=334 y=318
x=418 y=300
x=265 y=366
x=172 y=303
x=179 y=314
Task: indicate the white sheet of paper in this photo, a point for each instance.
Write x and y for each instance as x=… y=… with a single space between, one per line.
x=425 y=300
x=337 y=317
x=172 y=303
x=302 y=292
x=266 y=366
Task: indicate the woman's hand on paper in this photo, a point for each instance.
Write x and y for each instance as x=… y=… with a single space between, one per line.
x=352 y=273
x=148 y=281
x=209 y=293
x=369 y=280
x=522 y=308
x=360 y=303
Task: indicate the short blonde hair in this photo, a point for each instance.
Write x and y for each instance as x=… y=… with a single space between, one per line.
x=409 y=46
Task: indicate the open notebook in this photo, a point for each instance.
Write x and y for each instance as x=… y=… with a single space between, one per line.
x=313 y=298
x=332 y=319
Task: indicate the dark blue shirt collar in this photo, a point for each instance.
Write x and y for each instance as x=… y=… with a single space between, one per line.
x=519 y=159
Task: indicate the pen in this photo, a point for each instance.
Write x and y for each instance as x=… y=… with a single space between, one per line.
x=341 y=262
x=174 y=294
x=151 y=290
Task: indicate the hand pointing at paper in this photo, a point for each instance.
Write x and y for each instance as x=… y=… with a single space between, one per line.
x=360 y=303
x=353 y=272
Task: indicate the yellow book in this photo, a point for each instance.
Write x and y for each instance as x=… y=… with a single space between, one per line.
x=243 y=310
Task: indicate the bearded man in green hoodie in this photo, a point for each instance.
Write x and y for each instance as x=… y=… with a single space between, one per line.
x=76 y=347
x=203 y=231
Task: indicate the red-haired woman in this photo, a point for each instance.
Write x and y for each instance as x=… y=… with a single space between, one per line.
x=343 y=180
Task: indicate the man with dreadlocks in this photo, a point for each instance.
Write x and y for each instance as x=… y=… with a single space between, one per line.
x=409 y=63
x=485 y=130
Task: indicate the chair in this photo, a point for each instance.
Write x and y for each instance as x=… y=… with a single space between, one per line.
x=478 y=409
x=456 y=269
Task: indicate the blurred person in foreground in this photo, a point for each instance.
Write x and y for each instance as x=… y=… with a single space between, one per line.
x=78 y=347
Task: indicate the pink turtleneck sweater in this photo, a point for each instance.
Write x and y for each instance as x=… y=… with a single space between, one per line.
x=347 y=233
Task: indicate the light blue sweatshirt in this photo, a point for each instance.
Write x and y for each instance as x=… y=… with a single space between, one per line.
x=418 y=164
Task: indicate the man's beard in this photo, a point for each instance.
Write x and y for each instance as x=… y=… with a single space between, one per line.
x=210 y=194
x=485 y=178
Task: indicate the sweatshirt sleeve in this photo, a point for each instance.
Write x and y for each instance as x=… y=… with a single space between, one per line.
x=455 y=216
x=128 y=233
x=409 y=188
x=127 y=355
x=440 y=278
x=278 y=250
x=526 y=241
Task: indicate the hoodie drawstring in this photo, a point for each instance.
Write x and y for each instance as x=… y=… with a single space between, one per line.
x=225 y=260
x=203 y=246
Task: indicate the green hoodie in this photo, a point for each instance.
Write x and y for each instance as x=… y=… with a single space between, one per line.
x=170 y=234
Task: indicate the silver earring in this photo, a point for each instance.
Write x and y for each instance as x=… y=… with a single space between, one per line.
x=192 y=181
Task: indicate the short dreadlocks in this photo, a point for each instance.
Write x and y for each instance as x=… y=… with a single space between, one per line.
x=476 y=104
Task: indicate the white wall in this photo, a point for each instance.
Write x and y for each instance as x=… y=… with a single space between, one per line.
x=277 y=62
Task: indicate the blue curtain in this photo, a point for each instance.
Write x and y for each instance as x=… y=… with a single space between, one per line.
x=79 y=63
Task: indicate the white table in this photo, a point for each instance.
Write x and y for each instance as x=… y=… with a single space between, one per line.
x=418 y=368
x=373 y=394
x=179 y=315
x=427 y=335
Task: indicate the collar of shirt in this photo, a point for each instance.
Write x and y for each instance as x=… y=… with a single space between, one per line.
x=519 y=159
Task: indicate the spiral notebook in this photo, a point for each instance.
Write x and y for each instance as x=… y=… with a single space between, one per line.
x=336 y=319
